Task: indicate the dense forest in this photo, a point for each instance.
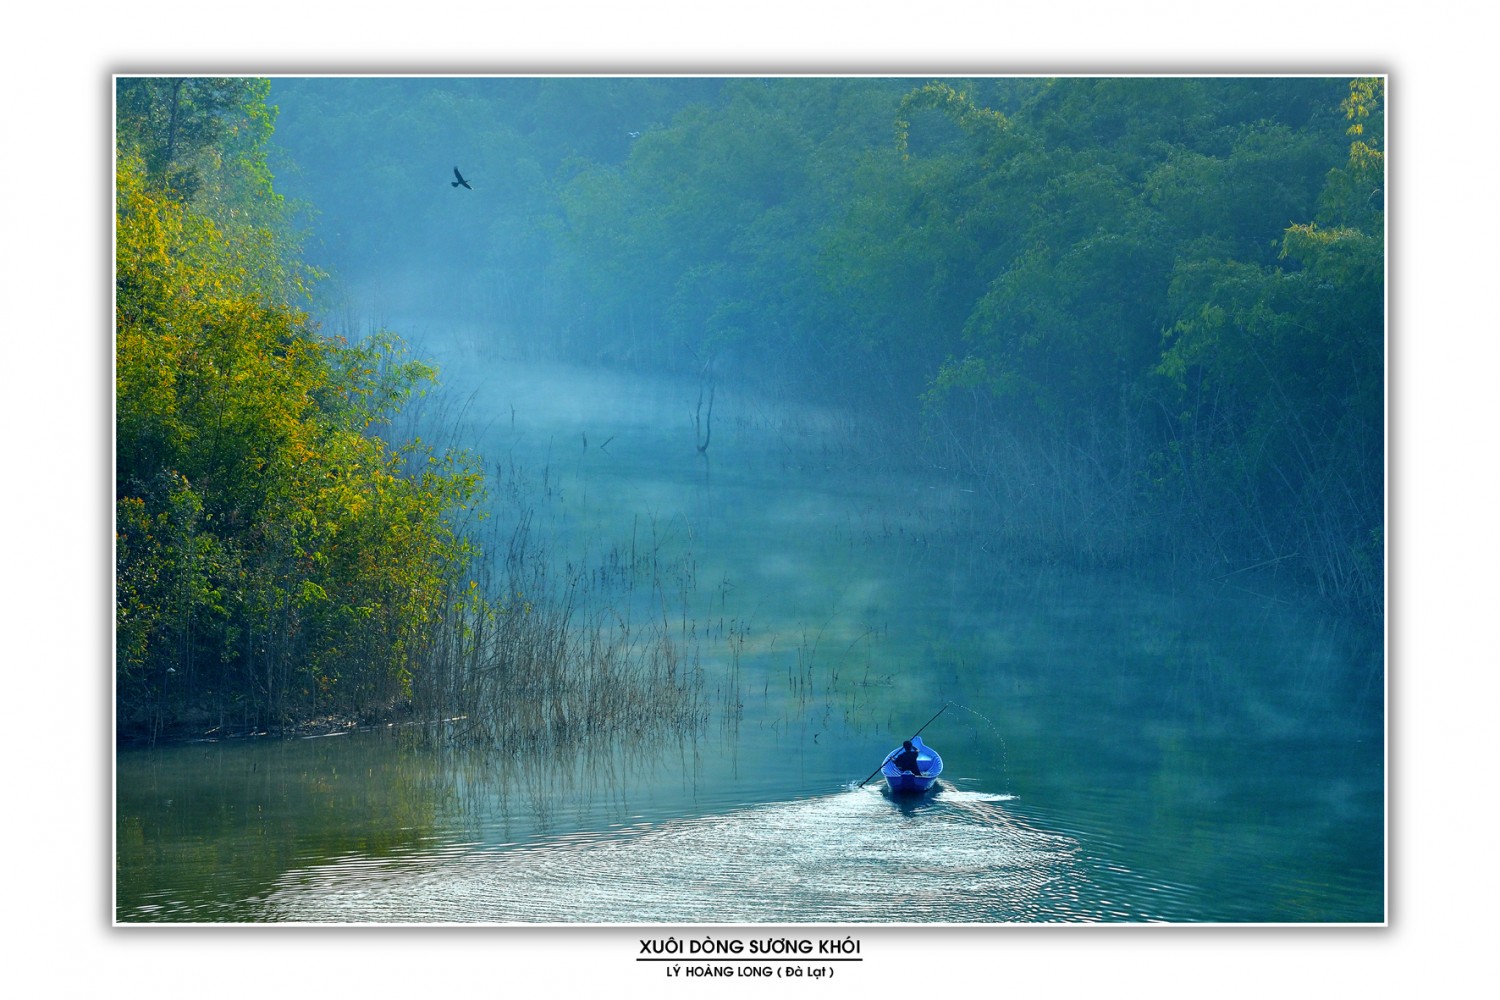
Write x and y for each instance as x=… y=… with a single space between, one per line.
x=1143 y=318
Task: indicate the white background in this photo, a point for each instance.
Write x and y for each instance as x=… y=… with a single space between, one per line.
x=56 y=511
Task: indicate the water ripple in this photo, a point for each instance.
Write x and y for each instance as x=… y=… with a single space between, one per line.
x=852 y=857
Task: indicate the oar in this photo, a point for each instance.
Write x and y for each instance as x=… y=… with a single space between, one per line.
x=913 y=736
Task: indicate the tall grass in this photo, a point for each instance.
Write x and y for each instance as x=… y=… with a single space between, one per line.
x=537 y=647
x=529 y=657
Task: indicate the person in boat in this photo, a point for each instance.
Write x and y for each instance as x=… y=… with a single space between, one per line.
x=906 y=759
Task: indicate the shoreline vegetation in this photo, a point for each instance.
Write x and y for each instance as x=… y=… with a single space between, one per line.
x=284 y=563
x=1140 y=322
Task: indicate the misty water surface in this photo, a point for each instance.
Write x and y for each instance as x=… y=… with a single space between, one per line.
x=1120 y=746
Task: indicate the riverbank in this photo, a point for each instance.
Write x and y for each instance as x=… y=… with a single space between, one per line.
x=204 y=731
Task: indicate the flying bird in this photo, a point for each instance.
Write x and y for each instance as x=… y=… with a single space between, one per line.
x=460 y=179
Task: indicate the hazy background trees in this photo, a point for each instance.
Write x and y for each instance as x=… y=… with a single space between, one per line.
x=1144 y=317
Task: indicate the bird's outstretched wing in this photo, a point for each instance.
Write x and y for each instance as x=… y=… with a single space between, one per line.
x=460 y=179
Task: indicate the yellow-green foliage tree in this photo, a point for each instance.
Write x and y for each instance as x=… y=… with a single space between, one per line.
x=276 y=559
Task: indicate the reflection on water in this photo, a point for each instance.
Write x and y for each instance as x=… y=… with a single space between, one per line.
x=851 y=857
x=1177 y=752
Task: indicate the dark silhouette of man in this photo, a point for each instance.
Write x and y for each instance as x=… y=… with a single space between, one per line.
x=906 y=760
x=460 y=179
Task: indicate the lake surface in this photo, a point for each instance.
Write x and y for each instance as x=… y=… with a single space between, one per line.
x=1115 y=749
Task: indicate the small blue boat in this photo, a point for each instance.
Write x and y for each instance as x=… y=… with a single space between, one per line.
x=929 y=765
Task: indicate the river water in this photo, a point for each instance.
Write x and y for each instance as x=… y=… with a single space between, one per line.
x=1115 y=750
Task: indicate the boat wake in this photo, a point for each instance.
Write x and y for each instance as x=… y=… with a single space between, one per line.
x=956 y=795
x=856 y=856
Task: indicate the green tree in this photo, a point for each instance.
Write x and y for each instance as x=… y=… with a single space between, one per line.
x=206 y=140
x=1276 y=374
x=275 y=559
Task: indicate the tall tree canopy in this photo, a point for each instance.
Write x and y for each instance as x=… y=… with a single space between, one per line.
x=1144 y=317
x=276 y=557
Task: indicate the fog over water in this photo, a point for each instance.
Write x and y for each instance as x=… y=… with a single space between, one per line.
x=749 y=463
x=1116 y=749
